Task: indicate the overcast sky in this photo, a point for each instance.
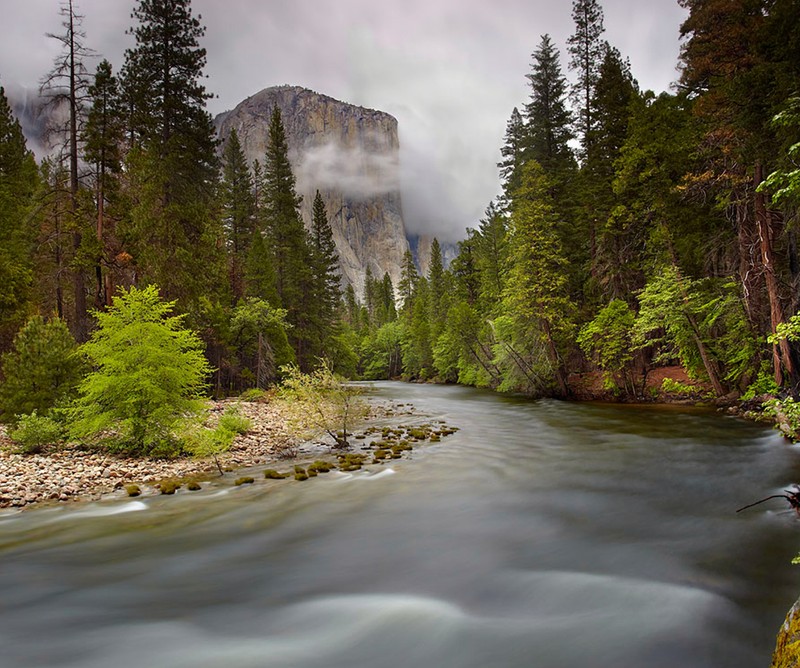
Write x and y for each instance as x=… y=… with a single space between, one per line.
x=450 y=71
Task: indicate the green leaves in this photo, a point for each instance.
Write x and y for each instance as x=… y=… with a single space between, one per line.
x=149 y=375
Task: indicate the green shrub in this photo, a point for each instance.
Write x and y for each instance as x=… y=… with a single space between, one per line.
x=254 y=394
x=41 y=370
x=233 y=421
x=34 y=432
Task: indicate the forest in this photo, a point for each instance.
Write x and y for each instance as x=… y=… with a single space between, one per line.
x=634 y=230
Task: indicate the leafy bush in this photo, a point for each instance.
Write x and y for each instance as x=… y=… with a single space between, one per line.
x=254 y=394
x=148 y=379
x=233 y=421
x=40 y=370
x=320 y=401
x=670 y=386
x=763 y=384
x=34 y=432
x=607 y=340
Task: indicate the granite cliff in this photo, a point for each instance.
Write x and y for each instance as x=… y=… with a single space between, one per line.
x=347 y=152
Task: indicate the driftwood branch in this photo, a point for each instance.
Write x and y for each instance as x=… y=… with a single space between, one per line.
x=792 y=497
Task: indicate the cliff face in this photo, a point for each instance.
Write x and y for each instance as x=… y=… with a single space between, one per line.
x=350 y=154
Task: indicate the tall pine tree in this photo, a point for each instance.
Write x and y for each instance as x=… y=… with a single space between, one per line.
x=172 y=164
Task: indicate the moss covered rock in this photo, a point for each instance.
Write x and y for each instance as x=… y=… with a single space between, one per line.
x=245 y=480
x=133 y=490
x=169 y=486
x=272 y=474
x=787 y=648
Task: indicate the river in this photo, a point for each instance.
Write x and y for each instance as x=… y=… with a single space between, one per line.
x=542 y=534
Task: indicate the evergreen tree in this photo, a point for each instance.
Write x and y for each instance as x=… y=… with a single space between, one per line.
x=491 y=254
x=238 y=210
x=437 y=292
x=409 y=278
x=40 y=371
x=325 y=264
x=536 y=299
x=103 y=136
x=289 y=242
x=586 y=55
x=172 y=164
x=18 y=182
x=546 y=114
x=513 y=152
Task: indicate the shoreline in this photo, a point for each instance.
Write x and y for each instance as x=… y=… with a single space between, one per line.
x=70 y=474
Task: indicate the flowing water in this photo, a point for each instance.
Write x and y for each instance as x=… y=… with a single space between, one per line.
x=542 y=534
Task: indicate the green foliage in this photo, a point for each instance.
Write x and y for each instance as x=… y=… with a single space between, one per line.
x=607 y=338
x=34 y=432
x=233 y=421
x=254 y=394
x=670 y=386
x=148 y=377
x=786 y=414
x=321 y=402
x=40 y=371
x=763 y=384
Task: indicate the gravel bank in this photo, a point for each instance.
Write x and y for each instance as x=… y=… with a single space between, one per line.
x=71 y=474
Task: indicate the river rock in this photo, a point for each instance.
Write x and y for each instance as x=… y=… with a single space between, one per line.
x=787 y=648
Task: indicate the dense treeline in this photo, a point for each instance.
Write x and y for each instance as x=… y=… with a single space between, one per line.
x=633 y=230
x=137 y=193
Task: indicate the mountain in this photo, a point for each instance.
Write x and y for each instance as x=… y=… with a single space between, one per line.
x=350 y=154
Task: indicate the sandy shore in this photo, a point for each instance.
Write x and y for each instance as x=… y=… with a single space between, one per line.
x=71 y=474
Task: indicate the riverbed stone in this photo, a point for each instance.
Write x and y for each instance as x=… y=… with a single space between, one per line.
x=787 y=648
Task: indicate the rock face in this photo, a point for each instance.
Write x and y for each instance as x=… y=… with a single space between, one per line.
x=421 y=250
x=787 y=648
x=350 y=154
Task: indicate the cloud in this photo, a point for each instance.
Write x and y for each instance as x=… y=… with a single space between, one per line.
x=450 y=71
x=356 y=171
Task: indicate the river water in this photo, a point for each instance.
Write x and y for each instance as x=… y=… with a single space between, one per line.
x=542 y=534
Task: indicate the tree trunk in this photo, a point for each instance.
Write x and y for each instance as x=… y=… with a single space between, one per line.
x=781 y=354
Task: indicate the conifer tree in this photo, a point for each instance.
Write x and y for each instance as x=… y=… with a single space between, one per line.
x=18 y=181
x=289 y=242
x=103 y=136
x=238 y=210
x=326 y=264
x=437 y=298
x=546 y=114
x=513 y=152
x=586 y=55
x=172 y=164
x=409 y=278
x=536 y=298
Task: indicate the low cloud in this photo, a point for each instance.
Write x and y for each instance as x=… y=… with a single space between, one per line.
x=357 y=172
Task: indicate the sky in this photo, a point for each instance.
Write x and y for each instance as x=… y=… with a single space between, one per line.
x=450 y=71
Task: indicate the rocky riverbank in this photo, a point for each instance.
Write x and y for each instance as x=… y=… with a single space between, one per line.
x=71 y=473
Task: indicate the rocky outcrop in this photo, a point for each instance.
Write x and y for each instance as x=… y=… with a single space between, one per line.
x=787 y=648
x=347 y=152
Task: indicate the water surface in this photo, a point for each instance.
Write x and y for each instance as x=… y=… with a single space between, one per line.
x=542 y=534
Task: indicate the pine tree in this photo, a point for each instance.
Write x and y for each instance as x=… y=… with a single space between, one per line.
x=586 y=55
x=289 y=242
x=512 y=151
x=18 y=182
x=172 y=164
x=437 y=297
x=326 y=263
x=546 y=114
x=102 y=137
x=409 y=278
x=238 y=210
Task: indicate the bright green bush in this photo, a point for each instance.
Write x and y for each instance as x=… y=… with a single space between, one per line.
x=148 y=379
x=34 y=432
x=233 y=421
